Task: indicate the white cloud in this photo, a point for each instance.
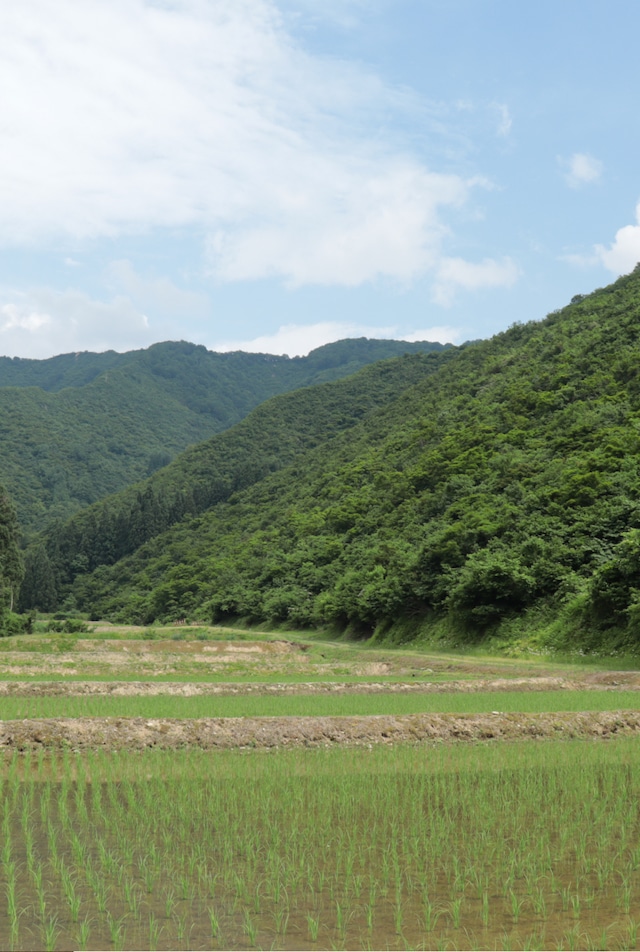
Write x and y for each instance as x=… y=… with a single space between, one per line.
x=133 y=115
x=581 y=169
x=13 y=318
x=580 y=260
x=46 y=322
x=443 y=334
x=504 y=119
x=368 y=226
x=624 y=253
x=297 y=340
x=454 y=273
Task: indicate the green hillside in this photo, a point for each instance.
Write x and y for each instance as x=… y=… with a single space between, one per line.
x=272 y=436
x=498 y=495
x=80 y=426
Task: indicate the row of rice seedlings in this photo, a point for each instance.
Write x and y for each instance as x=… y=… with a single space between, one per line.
x=159 y=706
x=336 y=847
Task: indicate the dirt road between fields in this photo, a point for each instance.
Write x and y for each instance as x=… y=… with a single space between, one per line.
x=136 y=733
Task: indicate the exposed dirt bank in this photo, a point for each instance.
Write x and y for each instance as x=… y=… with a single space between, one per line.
x=607 y=681
x=114 y=733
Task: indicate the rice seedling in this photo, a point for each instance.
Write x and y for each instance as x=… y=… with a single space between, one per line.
x=533 y=943
x=516 y=904
x=576 y=905
x=116 y=930
x=539 y=902
x=169 y=903
x=155 y=930
x=313 y=923
x=398 y=916
x=485 y=908
x=280 y=919
x=249 y=928
x=430 y=915
x=183 y=932
x=214 y=923
x=133 y=902
x=50 y=932
x=74 y=906
x=341 y=925
x=12 y=907
x=14 y=931
x=42 y=902
x=631 y=938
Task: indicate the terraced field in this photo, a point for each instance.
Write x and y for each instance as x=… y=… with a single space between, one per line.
x=221 y=790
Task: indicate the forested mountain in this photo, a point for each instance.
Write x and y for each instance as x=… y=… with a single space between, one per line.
x=271 y=437
x=503 y=489
x=77 y=427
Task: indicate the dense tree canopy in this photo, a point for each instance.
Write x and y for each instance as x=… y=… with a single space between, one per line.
x=210 y=473
x=80 y=426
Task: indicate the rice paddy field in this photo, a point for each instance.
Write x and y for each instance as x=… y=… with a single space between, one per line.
x=394 y=841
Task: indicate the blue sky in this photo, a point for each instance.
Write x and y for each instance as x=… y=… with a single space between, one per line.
x=270 y=175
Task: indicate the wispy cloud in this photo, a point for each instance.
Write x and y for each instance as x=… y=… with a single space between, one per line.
x=156 y=293
x=456 y=273
x=504 y=119
x=581 y=260
x=581 y=169
x=345 y=14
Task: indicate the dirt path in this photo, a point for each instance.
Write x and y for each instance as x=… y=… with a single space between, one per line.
x=136 y=733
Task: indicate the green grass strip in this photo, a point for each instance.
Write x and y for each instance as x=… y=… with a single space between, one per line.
x=324 y=705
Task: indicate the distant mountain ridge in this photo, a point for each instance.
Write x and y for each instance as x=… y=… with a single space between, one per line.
x=77 y=427
x=82 y=367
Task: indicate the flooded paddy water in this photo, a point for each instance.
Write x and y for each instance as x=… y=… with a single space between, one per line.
x=384 y=842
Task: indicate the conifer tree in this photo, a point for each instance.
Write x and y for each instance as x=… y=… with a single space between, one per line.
x=38 y=589
x=11 y=565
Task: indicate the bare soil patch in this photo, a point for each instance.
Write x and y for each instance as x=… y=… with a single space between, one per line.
x=115 y=733
x=37 y=657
